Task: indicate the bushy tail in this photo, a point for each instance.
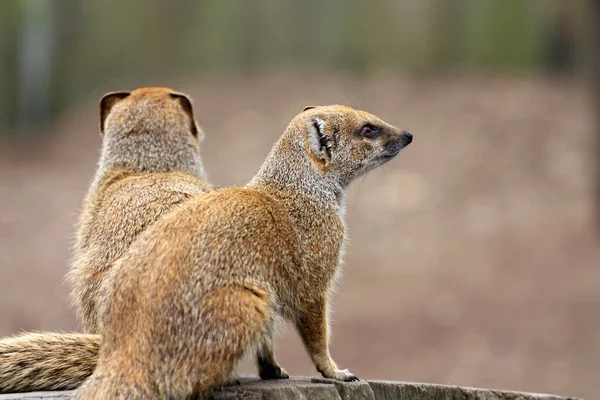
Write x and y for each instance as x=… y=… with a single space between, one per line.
x=47 y=361
x=231 y=322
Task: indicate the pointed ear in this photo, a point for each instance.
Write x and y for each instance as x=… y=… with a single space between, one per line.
x=320 y=142
x=308 y=108
x=186 y=104
x=107 y=102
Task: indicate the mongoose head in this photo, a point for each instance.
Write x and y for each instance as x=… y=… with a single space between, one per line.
x=344 y=143
x=150 y=129
x=148 y=110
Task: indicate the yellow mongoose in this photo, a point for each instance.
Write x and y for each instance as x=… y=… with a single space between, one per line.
x=150 y=163
x=206 y=284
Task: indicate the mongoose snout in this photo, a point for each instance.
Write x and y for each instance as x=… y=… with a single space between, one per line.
x=408 y=137
x=393 y=146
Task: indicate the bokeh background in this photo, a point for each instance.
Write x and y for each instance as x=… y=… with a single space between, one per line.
x=474 y=257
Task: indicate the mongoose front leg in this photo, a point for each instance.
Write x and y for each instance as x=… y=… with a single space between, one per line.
x=268 y=367
x=312 y=326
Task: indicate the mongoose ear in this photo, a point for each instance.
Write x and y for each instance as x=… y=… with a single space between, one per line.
x=320 y=142
x=107 y=102
x=186 y=104
x=308 y=108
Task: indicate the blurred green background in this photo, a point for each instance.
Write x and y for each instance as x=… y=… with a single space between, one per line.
x=474 y=257
x=56 y=52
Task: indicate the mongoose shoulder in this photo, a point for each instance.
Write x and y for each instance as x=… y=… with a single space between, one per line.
x=206 y=284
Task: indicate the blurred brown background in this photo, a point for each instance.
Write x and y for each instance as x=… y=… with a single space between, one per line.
x=474 y=257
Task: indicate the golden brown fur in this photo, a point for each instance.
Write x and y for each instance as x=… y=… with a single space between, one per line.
x=47 y=361
x=206 y=284
x=124 y=205
x=150 y=165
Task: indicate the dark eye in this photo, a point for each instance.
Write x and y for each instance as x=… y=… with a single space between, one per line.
x=369 y=132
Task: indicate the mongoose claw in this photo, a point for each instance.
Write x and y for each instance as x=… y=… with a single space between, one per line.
x=343 y=375
x=273 y=372
x=282 y=374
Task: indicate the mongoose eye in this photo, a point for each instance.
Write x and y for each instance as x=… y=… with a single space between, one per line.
x=369 y=132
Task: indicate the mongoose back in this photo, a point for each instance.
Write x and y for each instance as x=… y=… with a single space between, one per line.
x=206 y=284
x=150 y=163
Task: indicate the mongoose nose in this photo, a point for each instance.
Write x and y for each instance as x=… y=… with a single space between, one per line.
x=408 y=137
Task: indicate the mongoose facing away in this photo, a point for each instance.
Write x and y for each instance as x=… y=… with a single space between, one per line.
x=206 y=284
x=150 y=163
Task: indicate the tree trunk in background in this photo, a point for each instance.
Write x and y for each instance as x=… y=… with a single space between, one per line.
x=35 y=61
x=9 y=28
x=595 y=75
x=68 y=27
x=443 y=29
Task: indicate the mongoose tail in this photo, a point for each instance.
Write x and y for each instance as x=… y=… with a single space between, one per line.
x=241 y=317
x=47 y=361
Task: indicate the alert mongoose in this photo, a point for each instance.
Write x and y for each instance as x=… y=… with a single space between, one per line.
x=150 y=163
x=206 y=285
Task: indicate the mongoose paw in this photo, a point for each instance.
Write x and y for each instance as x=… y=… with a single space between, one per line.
x=273 y=372
x=342 y=375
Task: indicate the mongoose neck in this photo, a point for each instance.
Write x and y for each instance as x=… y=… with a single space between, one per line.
x=288 y=172
x=157 y=153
